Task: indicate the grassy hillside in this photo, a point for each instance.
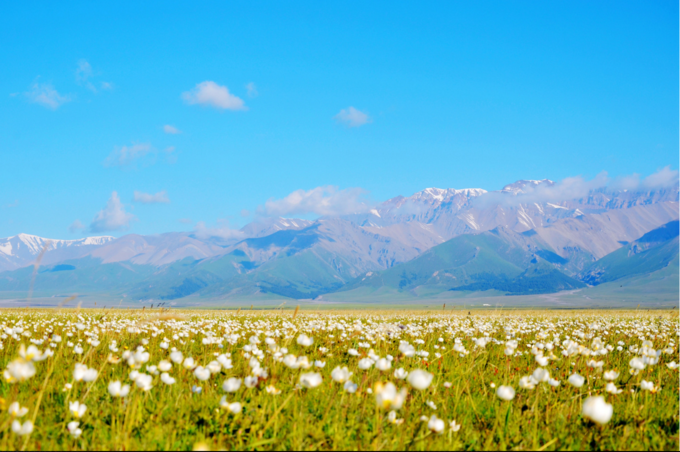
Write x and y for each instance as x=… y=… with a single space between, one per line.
x=653 y=251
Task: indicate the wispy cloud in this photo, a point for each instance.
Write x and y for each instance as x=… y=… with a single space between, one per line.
x=326 y=200
x=578 y=187
x=113 y=217
x=76 y=226
x=171 y=130
x=147 y=198
x=44 y=94
x=128 y=155
x=186 y=220
x=85 y=74
x=222 y=230
x=352 y=117
x=252 y=89
x=211 y=94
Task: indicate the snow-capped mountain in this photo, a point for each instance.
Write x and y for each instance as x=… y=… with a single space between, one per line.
x=23 y=249
x=294 y=256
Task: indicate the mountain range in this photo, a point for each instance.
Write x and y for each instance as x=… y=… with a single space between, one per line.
x=531 y=237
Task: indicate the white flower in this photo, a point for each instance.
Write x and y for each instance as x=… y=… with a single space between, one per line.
x=610 y=375
x=233 y=408
x=291 y=361
x=231 y=385
x=576 y=380
x=19 y=370
x=189 y=363
x=116 y=389
x=15 y=410
x=597 y=410
x=365 y=363
x=143 y=381
x=505 y=392
x=420 y=379
x=167 y=379
x=387 y=396
x=201 y=373
x=77 y=409
x=310 y=380
x=73 y=429
x=527 y=382
x=196 y=389
x=647 y=385
x=542 y=361
x=272 y=390
x=383 y=364
x=350 y=387
x=435 y=424
x=214 y=367
x=224 y=361
x=304 y=340
x=554 y=383
x=407 y=349
x=431 y=404
x=176 y=357
x=392 y=418
x=82 y=373
x=30 y=354
x=400 y=374
x=352 y=352
x=340 y=374
x=637 y=364
x=164 y=366
x=250 y=382
x=541 y=375
x=612 y=389
x=454 y=426
x=22 y=429
x=319 y=364
x=672 y=365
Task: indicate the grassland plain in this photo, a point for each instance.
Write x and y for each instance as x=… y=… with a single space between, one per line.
x=255 y=380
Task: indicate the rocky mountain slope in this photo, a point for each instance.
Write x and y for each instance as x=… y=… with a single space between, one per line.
x=547 y=228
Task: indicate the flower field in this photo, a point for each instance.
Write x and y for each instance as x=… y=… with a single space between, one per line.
x=381 y=380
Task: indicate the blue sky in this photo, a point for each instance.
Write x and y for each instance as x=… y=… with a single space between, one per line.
x=382 y=99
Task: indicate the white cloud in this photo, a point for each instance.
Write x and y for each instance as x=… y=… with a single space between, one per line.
x=578 y=187
x=113 y=217
x=663 y=178
x=106 y=85
x=252 y=90
x=45 y=95
x=172 y=130
x=211 y=94
x=185 y=220
x=222 y=230
x=127 y=155
x=83 y=73
x=148 y=198
x=76 y=226
x=327 y=200
x=352 y=117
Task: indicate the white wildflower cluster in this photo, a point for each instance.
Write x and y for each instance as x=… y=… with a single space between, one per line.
x=396 y=361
